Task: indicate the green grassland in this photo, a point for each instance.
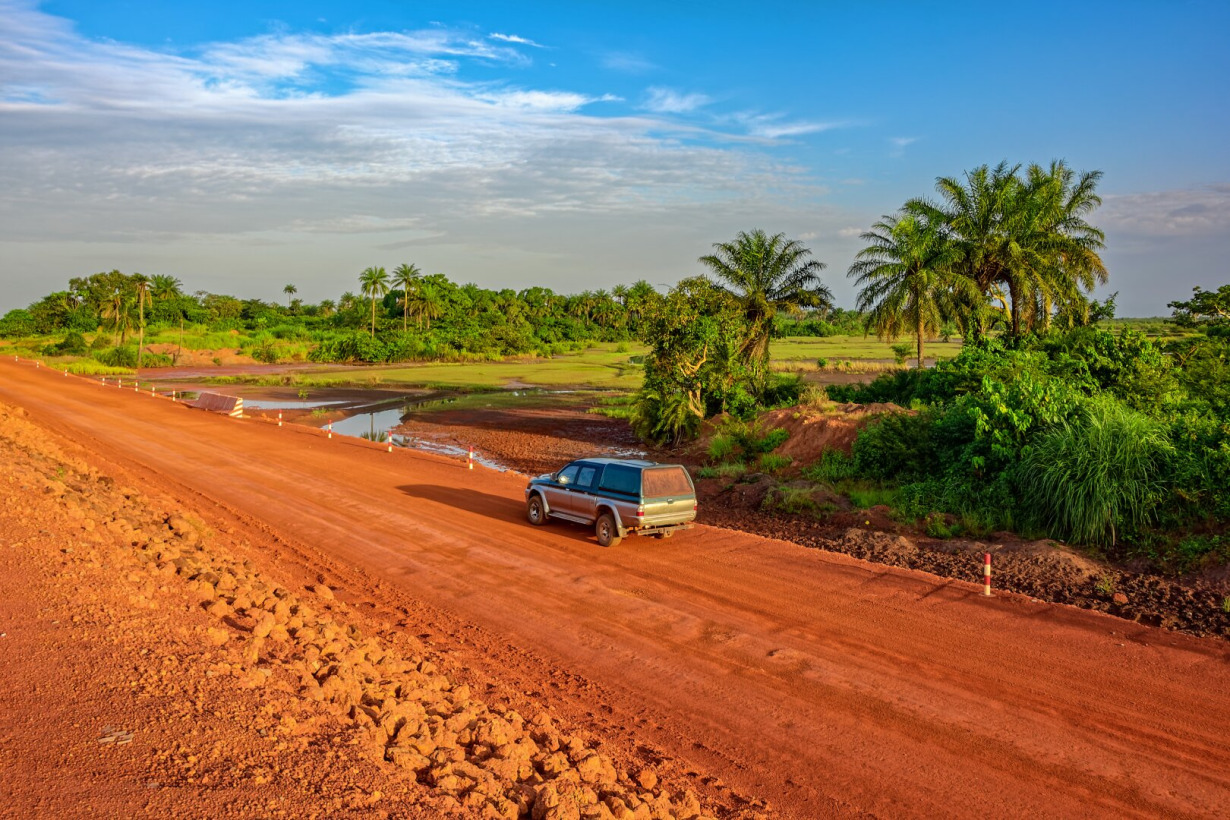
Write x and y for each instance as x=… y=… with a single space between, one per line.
x=811 y=348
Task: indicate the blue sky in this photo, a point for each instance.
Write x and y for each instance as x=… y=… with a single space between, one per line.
x=242 y=146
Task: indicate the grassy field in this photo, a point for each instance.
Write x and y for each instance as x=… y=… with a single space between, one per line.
x=809 y=348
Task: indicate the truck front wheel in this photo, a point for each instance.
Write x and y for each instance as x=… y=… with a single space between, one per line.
x=604 y=528
x=535 y=512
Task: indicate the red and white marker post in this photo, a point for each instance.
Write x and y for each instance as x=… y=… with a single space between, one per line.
x=986 y=573
x=470 y=458
x=330 y=429
x=390 y=442
x=279 y=418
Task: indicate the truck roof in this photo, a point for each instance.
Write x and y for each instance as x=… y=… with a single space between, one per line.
x=630 y=462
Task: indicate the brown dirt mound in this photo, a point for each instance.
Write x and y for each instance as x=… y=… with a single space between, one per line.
x=827 y=427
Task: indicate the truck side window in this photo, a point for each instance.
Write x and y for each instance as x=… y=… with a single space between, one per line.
x=621 y=479
x=585 y=480
x=567 y=475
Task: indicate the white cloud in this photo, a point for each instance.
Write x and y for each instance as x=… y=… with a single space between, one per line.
x=513 y=38
x=899 y=144
x=1201 y=211
x=292 y=151
x=667 y=101
x=850 y=232
x=627 y=62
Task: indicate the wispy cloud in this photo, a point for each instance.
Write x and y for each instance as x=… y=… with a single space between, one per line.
x=297 y=132
x=776 y=126
x=668 y=101
x=850 y=232
x=1189 y=212
x=513 y=38
x=627 y=62
x=897 y=145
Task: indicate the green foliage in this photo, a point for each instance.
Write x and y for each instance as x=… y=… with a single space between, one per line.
x=1090 y=478
x=793 y=500
x=832 y=467
x=772 y=462
x=902 y=351
x=936 y=525
x=17 y=323
x=722 y=447
x=72 y=345
x=125 y=357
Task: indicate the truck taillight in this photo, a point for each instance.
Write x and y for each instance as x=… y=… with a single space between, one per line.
x=693 y=506
x=640 y=512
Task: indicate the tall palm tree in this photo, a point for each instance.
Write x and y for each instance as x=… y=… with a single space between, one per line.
x=290 y=290
x=766 y=274
x=142 y=284
x=405 y=277
x=428 y=303
x=907 y=278
x=116 y=309
x=164 y=288
x=374 y=283
x=1027 y=234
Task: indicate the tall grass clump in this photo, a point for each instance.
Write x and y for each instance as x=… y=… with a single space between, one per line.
x=1091 y=477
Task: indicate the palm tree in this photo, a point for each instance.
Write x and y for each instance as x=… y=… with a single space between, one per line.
x=405 y=277
x=163 y=288
x=290 y=290
x=766 y=274
x=116 y=309
x=375 y=283
x=907 y=278
x=327 y=307
x=142 y=283
x=428 y=303
x=1029 y=235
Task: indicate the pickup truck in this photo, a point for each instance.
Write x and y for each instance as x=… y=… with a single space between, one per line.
x=617 y=497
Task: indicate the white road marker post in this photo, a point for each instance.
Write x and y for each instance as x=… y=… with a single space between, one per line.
x=330 y=429
x=470 y=458
x=986 y=573
x=279 y=418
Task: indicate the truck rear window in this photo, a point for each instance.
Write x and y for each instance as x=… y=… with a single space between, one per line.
x=620 y=479
x=664 y=481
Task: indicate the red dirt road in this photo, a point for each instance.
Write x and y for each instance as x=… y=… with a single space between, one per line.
x=826 y=685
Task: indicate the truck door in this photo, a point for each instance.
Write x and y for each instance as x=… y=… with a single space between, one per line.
x=559 y=491
x=582 y=497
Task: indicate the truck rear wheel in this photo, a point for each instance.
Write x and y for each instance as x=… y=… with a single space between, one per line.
x=605 y=529
x=534 y=511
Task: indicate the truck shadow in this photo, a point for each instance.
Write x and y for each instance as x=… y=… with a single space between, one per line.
x=492 y=506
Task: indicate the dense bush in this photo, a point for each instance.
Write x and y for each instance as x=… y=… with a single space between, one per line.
x=1083 y=435
x=1089 y=478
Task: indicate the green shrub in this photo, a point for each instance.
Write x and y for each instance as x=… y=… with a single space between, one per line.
x=822 y=363
x=832 y=466
x=936 y=525
x=72 y=345
x=721 y=447
x=1091 y=479
x=772 y=462
x=794 y=500
x=125 y=356
x=902 y=351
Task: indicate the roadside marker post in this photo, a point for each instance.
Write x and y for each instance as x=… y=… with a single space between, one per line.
x=390 y=441
x=279 y=418
x=986 y=573
x=330 y=429
x=470 y=459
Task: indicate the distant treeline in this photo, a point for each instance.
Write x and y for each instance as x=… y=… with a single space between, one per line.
x=417 y=317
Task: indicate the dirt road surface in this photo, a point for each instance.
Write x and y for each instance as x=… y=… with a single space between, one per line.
x=827 y=686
